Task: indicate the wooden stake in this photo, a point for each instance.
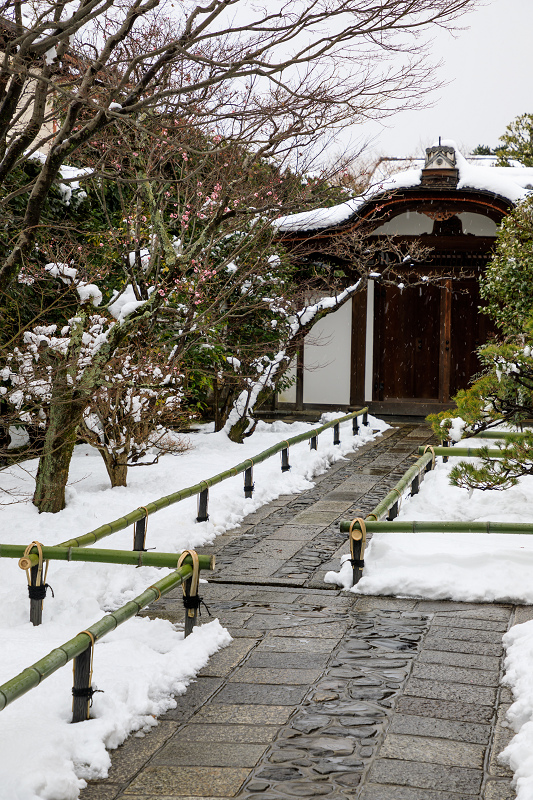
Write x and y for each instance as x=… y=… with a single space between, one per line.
x=36 y=606
x=191 y=600
x=203 y=501
x=82 y=684
x=357 y=539
x=191 y=614
x=139 y=537
x=249 y=482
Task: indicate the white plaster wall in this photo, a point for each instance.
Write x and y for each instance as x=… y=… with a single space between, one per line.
x=409 y=223
x=369 y=346
x=327 y=359
x=413 y=223
x=289 y=395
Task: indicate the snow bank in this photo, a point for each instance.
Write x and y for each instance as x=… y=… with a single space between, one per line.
x=518 y=642
x=144 y=662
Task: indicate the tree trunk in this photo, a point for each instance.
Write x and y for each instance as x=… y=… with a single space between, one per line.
x=237 y=431
x=116 y=465
x=52 y=475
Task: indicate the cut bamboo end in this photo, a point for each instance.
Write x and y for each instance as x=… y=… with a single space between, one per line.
x=25 y=563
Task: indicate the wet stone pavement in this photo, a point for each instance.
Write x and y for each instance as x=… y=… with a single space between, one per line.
x=323 y=693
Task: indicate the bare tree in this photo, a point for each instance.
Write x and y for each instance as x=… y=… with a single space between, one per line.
x=265 y=75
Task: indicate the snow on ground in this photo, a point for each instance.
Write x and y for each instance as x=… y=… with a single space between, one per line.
x=466 y=567
x=144 y=662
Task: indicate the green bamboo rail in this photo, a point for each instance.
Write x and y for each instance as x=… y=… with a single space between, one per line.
x=498 y=434
x=141 y=558
x=464 y=452
x=405 y=481
x=34 y=675
x=420 y=526
x=389 y=504
x=157 y=505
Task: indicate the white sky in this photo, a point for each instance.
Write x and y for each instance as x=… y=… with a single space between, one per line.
x=488 y=68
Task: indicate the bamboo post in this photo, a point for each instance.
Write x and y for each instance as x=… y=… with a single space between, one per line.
x=37 y=585
x=203 y=500
x=357 y=538
x=355 y=426
x=415 y=485
x=445 y=443
x=191 y=599
x=313 y=443
x=191 y=614
x=139 y=536
x=365 y=417
x=249 y=485
x=393 y=511
x=81 y=685
x=285 y=466
x=36 y=604
x=336 y=434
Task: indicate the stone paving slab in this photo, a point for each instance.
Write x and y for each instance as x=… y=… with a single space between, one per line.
x=432 y=750
x=216 y=732
x=442 y=728
x=324 y=693
x=209 y=753
x=183 y=780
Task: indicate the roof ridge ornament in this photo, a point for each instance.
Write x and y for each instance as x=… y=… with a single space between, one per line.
x=440 y=169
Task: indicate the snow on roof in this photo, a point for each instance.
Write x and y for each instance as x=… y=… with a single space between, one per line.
x=477 y=172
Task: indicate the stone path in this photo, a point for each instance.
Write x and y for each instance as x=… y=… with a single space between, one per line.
x=322 y=693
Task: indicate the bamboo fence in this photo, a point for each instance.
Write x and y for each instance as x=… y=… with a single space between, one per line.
x=141 y=514
x=81 y=646
x=34 y=675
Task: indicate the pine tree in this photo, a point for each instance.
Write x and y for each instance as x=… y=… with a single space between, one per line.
x=517 y=142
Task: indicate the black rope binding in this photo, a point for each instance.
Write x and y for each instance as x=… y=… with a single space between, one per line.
x=86 y=693
x=39 y=592
x=357 y=562
x=195 y=601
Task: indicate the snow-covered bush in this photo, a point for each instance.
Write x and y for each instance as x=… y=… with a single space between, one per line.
x=132 y=416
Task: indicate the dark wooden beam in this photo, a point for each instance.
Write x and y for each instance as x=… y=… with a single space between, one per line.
x=445 y=341
x=357 y=377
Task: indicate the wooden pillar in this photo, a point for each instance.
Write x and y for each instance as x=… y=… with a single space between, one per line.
x=358 y=349
x=300 y=378
x=445 y=341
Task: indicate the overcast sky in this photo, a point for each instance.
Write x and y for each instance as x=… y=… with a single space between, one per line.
x=489 y=71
